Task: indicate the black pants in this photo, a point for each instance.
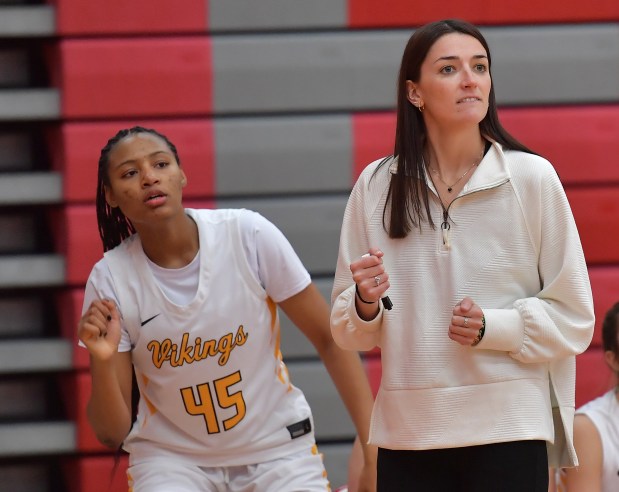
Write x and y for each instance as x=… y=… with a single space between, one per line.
x=520 y=466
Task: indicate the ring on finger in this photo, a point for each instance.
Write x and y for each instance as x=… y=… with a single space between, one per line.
x=377 y=280
x=466 y=321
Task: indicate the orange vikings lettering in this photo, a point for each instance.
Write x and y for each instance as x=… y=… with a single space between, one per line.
x=198 y=350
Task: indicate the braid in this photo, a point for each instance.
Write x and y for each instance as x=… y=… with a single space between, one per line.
x=114 y=227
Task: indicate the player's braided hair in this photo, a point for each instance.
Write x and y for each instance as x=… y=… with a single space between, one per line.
x=113 y=225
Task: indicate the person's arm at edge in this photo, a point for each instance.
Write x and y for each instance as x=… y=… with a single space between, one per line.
x=587 y=477
x=552 y=482
x=309 y=311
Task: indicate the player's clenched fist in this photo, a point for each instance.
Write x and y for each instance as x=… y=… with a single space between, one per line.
x=99 y=329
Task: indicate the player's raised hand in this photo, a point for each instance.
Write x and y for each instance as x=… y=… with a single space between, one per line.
x=99 y=329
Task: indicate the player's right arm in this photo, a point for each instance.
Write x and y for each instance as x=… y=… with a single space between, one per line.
x=109 y=406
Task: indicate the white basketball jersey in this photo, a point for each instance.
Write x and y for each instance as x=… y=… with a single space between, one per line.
x=604 y=413
x=214 y=389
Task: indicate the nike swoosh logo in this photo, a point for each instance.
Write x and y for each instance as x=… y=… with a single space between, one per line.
x=149 y=319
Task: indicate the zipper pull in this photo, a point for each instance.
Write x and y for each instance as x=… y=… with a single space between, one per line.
x=445 y=228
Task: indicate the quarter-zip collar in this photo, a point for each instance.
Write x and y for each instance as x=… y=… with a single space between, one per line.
x=491 y=172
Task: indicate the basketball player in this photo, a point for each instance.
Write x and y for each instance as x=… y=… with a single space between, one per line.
x=188 y=299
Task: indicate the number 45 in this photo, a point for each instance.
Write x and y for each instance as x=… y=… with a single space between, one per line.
x=205 y=406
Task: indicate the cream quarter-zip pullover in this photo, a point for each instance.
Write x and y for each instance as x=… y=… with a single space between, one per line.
x=513 y=247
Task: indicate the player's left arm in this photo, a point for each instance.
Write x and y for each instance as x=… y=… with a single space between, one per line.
x=309 y=311
x=587 y=477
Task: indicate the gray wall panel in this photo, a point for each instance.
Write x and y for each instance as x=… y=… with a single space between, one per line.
x=27 y=20
x=276 y=14
x=294 y=342
x=40 y=355
x=30 y=188
x=356 y=70
x=336 y=458
x=555 y=64
x=330 y=416
x=29 y=104
x=31 y=271
x=313 y=72
x=283 y=154
x=17 y=439
x=311 y=224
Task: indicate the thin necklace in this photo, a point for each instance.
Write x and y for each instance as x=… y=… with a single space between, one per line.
x=451 y=186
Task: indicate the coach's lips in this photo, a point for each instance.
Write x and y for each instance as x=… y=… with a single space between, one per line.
x=468 y=100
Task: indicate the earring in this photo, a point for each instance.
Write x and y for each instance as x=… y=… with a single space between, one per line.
x=421 y=107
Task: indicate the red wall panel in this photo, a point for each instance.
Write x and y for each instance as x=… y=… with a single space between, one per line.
x=593 y=377
x=596 y=211
x=69 y=307
x=373 y=369
x=373 y=138
x=370 y=13
x=579 y=141
x=92 y=17
x=76 y=236
x=135 y=77
x=605 y=287
x=96 y=473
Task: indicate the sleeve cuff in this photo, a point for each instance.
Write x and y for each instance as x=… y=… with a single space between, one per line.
x=363 y=325
x=504 y=330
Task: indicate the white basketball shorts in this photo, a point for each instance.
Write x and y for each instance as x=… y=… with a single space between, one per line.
x=303 y=471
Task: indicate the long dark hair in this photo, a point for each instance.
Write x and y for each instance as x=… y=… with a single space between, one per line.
x=610 y=329
x=408 y=203
x=114 y=227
